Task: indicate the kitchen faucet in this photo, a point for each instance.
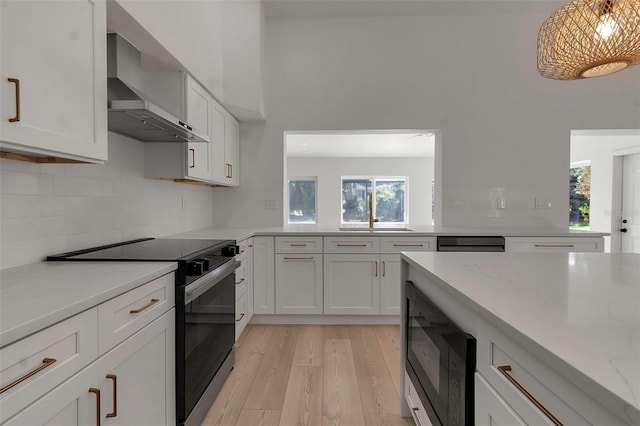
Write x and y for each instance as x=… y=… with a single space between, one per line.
x=371 y=218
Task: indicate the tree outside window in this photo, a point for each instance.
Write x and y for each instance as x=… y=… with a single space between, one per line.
x=302 y=200
x=389 y=195
x=579 y=197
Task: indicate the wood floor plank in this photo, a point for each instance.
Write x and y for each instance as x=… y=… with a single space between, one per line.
x=227 y=407
x=259 y=418
x=380 y=399
x=389 y=340
x=303 y=401
x=341 y=404
x=309 y=348
x=270 y=383
x=335 y=332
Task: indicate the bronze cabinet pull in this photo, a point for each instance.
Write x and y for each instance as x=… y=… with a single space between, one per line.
x=97 y=392
x=45 y=363
x=504 y=369
x=384 y=269
x=241 y=316
x=351 y=245
x=376 y=263
x=17 y=83
x=554 y=245
x=298 y=258
x=228 y=170
x=240 y=282
x=147 y=306
x=408 y=245
x=193 y=158
x=231 y=171
x=114 y=413
x=298 y=245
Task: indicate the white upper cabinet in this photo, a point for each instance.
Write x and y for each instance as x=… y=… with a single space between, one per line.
x=54 y=79
x=199 y=106
x=224 y=151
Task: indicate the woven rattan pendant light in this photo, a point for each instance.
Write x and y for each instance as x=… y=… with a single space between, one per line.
x=589 y=38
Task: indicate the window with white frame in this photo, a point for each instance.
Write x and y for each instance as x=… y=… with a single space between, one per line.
x=302 y=200
x=389 y=195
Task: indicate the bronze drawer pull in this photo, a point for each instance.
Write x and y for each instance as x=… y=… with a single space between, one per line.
x=193 y=158
x=97 y=392
x=45 y=363
x=241 y=316
x=384 y=268
x=298 y=258
x=114 y=413
x=408 y=245
x=298 y=245
x=376 y=263
x=240 y=282
x=351 y=245
x=147 y=306
x=504 y=369
x=554 y=245
x=17 y=83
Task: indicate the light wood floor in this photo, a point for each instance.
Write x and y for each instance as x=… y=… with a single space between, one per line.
x=313 y=375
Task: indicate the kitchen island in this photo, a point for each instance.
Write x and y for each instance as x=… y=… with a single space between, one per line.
x=568 y=324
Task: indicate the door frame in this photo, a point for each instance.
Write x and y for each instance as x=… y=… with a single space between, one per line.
x=616 y=196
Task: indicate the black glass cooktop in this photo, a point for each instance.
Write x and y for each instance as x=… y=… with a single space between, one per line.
x=147 y=249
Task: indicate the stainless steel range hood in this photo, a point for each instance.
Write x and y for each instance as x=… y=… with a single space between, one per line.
x=131 y=112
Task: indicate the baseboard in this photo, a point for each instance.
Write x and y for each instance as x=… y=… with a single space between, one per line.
x=326 y=319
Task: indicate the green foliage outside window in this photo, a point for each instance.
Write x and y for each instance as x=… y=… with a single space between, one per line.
x=579 y=197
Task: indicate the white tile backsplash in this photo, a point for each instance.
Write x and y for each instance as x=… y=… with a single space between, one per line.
x=52 y=208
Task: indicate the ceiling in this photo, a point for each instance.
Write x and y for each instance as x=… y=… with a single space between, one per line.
x=408 y=144
x=353 y=8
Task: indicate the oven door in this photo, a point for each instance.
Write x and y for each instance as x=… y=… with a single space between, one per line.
x=440 y=362
x=206 y=333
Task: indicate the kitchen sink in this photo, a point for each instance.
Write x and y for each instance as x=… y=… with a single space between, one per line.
x=354 y=229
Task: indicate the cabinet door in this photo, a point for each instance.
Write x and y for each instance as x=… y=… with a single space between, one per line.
x=390 y=284
x=263 y=275
x=299 y=283
x=140 y=374
x=232 y=150
x=63 y=108
x=249 y=278
x=351 y=284
x=199 y=105
x=217 y=145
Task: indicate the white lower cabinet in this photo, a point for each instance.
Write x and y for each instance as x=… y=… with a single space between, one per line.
x=352 y=284
x=490 y=408
x=263 y=275
x=390 y=284
x=554 y=244
x=133 y=384
x=299 y=283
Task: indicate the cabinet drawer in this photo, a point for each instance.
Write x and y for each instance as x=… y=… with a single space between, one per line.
x=511 y=370
x=46 y=359
x=543 y=245
x=122 y=316
x=241 y=279
x=299 y=244
x=415 y=405
x=351 y=244
x=242 y=317
x=242 y=252
x=490 y=408
x=399 y=244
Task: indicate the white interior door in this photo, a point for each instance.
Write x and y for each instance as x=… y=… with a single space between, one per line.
x=630 y=227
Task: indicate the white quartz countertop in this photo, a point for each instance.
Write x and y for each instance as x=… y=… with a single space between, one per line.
x=582 y=309
x=35 y=296
x=418 y=230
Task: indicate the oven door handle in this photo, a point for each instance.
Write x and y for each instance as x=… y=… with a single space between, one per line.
x=206 y=282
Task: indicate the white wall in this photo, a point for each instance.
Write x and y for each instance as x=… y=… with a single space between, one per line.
x=329 y=171
x=505 y=130
x=600 y=148
x=54 y=208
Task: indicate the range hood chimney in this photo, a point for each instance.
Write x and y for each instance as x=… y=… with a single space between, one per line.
x=131 y=112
